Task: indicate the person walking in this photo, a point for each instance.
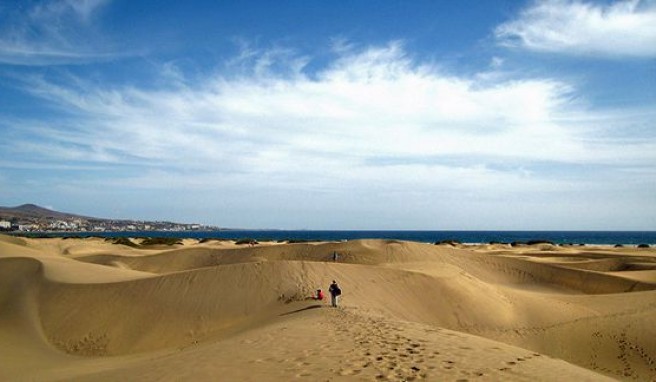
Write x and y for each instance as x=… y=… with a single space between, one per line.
x=335 y=292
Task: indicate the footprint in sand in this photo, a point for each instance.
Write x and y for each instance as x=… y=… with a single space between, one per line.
x=345 y=372
x=392 y=365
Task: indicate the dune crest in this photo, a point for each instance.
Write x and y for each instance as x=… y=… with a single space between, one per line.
x=86 y=309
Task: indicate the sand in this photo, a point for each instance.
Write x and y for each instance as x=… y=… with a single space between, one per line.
x=89 y=310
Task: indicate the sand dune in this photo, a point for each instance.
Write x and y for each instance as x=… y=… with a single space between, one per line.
x=85 y=309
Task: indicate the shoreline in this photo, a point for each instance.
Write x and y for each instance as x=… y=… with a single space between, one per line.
x=559 y=238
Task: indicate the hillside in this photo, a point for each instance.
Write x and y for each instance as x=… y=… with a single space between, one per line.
x=30 y=217
x=32 y=211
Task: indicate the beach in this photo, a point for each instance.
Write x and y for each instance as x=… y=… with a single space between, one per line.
x=94 y=309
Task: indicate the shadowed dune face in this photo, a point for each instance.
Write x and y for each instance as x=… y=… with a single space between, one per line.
x=558 y=271
x=91 y=298
x=369 y=252
x=165 y=311
x=507 y=270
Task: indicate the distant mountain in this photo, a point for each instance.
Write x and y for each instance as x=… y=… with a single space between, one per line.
x=30 y=217
x=32 y=211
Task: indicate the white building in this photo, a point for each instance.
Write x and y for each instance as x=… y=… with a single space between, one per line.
x=5 y=224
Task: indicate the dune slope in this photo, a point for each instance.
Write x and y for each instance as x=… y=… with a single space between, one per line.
x=89 y=310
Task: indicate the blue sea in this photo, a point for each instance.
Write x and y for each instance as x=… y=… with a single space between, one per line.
x=559 y=237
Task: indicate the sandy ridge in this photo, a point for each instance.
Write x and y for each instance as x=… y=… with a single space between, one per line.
x=90 y=310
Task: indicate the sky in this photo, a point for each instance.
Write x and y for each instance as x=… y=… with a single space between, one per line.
x=417 y=115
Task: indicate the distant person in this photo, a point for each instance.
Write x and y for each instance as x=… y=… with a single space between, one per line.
x=335 y=256
x=335 y=292
x=317 y=296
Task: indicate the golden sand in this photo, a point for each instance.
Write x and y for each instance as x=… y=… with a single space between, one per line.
x=89 y=310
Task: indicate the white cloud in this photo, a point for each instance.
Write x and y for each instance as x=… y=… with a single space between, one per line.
x=496 y=62
x=59 y=10
x=623 y=28
x=51 y=32
x=369 y=127
x=367 y=104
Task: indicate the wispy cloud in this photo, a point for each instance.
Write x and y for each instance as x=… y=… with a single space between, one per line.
x=622 y=28
x=371 y=114
x=51 y=32
x=374 y=126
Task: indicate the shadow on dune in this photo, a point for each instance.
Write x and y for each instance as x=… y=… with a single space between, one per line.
x=302 y=310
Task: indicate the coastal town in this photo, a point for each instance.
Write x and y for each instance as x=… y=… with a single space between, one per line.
x=82 y=225
x=32 y=218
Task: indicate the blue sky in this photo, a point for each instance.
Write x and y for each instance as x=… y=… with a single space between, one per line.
x=333 y=115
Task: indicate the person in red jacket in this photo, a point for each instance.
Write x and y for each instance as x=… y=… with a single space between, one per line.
x=320 y=295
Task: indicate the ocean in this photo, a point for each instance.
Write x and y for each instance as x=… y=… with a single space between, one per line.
x=559 y=237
